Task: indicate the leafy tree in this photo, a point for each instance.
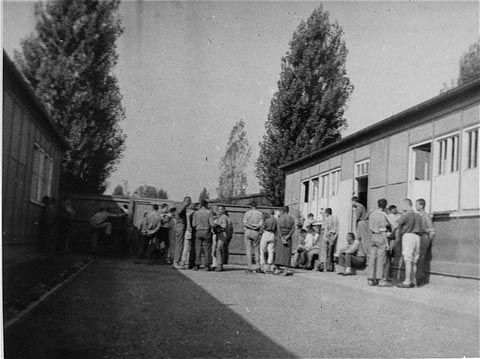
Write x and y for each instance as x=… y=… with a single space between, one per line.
x=306 y=113
x=204 y=196
x=162 y=194
x=118 y=190
x=469 y=68
x=146 y=191
x=69 y=62
x=233 y=165
x=470 y=64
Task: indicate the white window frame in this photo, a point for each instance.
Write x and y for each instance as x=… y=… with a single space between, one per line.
x=42 y=178
x=364 y=167
x=334 y=182
x=412 y=160
x=314 y=195
x=445 y=167
x=465 y=154
x=324 y=185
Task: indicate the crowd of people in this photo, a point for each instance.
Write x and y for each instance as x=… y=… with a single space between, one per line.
x=192 y=236
x=383 y=235
x=196 y=236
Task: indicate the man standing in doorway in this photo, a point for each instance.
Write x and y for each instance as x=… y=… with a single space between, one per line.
x=362 y=230
x=410 y=226
x=330 y=238
x=202 y=223
x=180 y=227
x=426 y=238
x=252 y=223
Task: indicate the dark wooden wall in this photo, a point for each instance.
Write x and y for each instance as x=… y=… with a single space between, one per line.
x=22 y=128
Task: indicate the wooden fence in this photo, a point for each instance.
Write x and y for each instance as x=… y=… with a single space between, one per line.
x=86 y=206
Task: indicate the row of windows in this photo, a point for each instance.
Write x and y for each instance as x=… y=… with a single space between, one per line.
x=322 y=187
x=447 y=159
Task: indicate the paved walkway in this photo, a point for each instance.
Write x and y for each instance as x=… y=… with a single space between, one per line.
x=115 y=309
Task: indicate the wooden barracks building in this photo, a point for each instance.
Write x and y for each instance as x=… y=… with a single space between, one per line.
x=32 y=154
x=429 y=151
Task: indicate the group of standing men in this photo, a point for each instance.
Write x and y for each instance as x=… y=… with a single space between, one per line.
x=388 y=234
x=268 y=236
x=196 y=235
x=201 y=235
x=382 y=234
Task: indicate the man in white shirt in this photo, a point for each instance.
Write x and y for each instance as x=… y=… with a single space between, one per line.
x=330 y=239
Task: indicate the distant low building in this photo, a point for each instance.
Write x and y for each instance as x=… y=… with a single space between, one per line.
x=428 y=151
x=32 y=154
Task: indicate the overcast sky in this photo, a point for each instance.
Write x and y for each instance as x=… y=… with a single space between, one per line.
x=189 y=70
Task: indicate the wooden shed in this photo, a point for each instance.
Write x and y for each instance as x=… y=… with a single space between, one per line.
x=32 y=155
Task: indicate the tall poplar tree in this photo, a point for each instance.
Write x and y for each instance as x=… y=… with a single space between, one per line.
x=306 y=113
x=233 y=165
x=69 y=63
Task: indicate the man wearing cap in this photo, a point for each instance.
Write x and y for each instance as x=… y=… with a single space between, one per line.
x=252 y=223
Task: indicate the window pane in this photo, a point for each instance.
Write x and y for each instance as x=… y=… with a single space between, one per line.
x=475 y=149
x=34 y=186
x=48 y=179
x=40 y=178
x=315 y=189
x=469 y=149
x=440 y=157
x=422 y=162
x=452 y=154
x=305 y=192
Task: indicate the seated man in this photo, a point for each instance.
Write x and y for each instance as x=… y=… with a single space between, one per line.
x=352 y=255
x=308 y=222
x=302 y=248
x=316 y=249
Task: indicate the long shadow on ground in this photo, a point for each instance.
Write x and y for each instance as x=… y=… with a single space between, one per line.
x=116 y=310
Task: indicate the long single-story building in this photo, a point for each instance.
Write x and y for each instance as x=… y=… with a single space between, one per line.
x=32 y=154
x=428 y=151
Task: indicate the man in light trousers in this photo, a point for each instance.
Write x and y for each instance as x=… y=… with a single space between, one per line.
x=267 y=243
x=252 y=222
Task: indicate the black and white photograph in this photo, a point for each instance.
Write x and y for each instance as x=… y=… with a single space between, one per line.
x=240 y=179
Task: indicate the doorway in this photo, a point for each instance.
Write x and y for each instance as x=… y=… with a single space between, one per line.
x=362 y=190
x=419 y=184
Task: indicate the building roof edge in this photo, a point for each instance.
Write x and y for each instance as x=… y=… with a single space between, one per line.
x=432 y=102
x=9 y=66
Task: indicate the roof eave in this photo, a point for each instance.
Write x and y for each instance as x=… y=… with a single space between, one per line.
x=397 y=117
